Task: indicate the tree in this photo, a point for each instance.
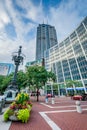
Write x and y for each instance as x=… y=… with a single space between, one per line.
x=51 y=76
x=1 y=80
x=21 y=79
x=71 y=83
x=55 y=87
x=38 y=76
x=5 y=82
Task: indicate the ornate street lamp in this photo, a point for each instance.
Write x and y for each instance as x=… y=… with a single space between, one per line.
x=17 y=57
x=12 y=90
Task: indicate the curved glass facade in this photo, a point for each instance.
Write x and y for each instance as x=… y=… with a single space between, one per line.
x=68 y=59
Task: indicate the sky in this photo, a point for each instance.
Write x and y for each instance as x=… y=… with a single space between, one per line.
x=19 y=20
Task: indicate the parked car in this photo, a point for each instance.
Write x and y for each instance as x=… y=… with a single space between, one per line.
x=84 y=96
x=50 y=95
x=77 y=97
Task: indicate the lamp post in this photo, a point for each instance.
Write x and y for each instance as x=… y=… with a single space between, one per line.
x=12 y=89
x=17 y=57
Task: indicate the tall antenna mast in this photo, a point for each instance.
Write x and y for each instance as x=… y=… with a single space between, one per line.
x=43 y=21
x=47 y=19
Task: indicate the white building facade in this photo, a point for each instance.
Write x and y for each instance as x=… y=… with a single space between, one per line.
x=68 y=59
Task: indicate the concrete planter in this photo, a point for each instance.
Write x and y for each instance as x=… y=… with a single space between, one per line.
x=13 y=118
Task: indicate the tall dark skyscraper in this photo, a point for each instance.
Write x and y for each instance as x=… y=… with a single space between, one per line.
x=46 y=38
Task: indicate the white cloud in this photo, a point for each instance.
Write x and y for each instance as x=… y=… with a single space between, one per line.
x=4 y=18
x=7 y=46
x=65 y=17
x=33 y=12
x=21 y=29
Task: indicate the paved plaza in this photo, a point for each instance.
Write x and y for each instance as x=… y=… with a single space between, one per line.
x=47 y=116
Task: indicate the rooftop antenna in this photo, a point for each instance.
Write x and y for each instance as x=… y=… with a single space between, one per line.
x=43 y=21
x=47 y=19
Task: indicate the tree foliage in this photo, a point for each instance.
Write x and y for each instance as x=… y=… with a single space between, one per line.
x=51 y=76
x=4 y=82
x=21 y=79
x=35 y=76
x=38 y=76
x=70 y=83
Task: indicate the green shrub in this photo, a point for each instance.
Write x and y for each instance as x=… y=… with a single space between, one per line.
x=8 y=113
x=21 y=97
x=23 y=115
x=20 y=108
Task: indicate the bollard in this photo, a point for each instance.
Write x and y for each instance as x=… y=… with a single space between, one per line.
x=1 y=105
x=46 y=99
x=52 y=101
x=3 y=102
x=78 y=107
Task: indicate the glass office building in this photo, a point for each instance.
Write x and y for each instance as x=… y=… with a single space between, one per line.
x=6 y=68
x=68 y=59
x=32 y=63
x=46 y=38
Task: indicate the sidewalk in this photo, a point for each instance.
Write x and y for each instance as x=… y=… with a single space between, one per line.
x=59 y=116
x=4 y=125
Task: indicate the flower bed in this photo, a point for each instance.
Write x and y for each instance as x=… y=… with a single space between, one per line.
x=20 y=109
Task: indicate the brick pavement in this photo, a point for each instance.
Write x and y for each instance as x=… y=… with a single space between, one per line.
x=62 y=113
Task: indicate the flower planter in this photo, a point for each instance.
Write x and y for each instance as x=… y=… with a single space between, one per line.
x=13 y=118
x=19 y=110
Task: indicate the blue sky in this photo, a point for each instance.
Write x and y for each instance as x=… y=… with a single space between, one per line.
x=19 y=20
